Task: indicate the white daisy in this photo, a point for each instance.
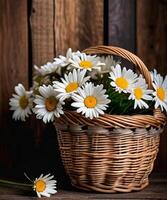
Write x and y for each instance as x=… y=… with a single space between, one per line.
x=45 y=185
x=21 y=103
x=70 y=83
x=122 y=80
x=139 y=93
x=47 y=104
x=160 y=93
x=83 y=61
x=108 y=62
x=48 y=68
x=90 y=100
x=64 y=60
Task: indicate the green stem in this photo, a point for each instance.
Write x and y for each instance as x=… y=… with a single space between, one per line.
x=15 y=183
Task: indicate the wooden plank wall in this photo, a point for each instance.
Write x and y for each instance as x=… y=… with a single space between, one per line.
x=55 y=25
x=13 y=69
x=152 y=49
x=122 y=23
x=14 y=50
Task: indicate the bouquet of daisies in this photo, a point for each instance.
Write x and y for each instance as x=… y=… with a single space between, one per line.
x=90 y=85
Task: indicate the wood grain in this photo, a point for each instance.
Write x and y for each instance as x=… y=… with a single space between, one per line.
x=14 y=47
x=151 y=33
x=57 y=25
x=42 y=31
x=121 y=23
x=78 y=24
x=152 y=49
x=13 y=68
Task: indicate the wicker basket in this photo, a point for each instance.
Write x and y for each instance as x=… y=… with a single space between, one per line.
x=113 y=153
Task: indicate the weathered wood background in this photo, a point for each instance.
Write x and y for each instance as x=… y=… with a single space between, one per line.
x=33 y=32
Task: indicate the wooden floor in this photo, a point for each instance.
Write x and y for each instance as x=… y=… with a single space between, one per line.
x=156 y=190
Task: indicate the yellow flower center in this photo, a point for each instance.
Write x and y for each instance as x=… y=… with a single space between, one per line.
x=90 y=101
x=51 y=103
x=71 y=87
x=23 y=102
x=40 y=186
x=122 y=83
x=161 y=93
x=138 y=92
x=86 y=64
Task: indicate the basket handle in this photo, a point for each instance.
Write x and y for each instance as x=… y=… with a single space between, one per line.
x=101 y=49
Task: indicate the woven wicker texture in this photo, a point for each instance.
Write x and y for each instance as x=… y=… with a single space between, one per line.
x=113 y=153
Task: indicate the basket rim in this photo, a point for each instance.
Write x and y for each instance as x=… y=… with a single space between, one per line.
x=115 y=121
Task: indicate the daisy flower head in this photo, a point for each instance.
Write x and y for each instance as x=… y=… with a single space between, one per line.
x=108 y=62
x=122 y=80
x=83 y=61
x=70 y=83
x=64 y=60
x=48 y=68
x=45 y=185
x=90 y=100
x=21 y=103
x=47 y=105
x=160 y=90
x=155 y=76
x=139 y=93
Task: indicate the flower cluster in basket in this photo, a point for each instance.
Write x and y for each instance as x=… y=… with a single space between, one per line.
x=90 y=85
